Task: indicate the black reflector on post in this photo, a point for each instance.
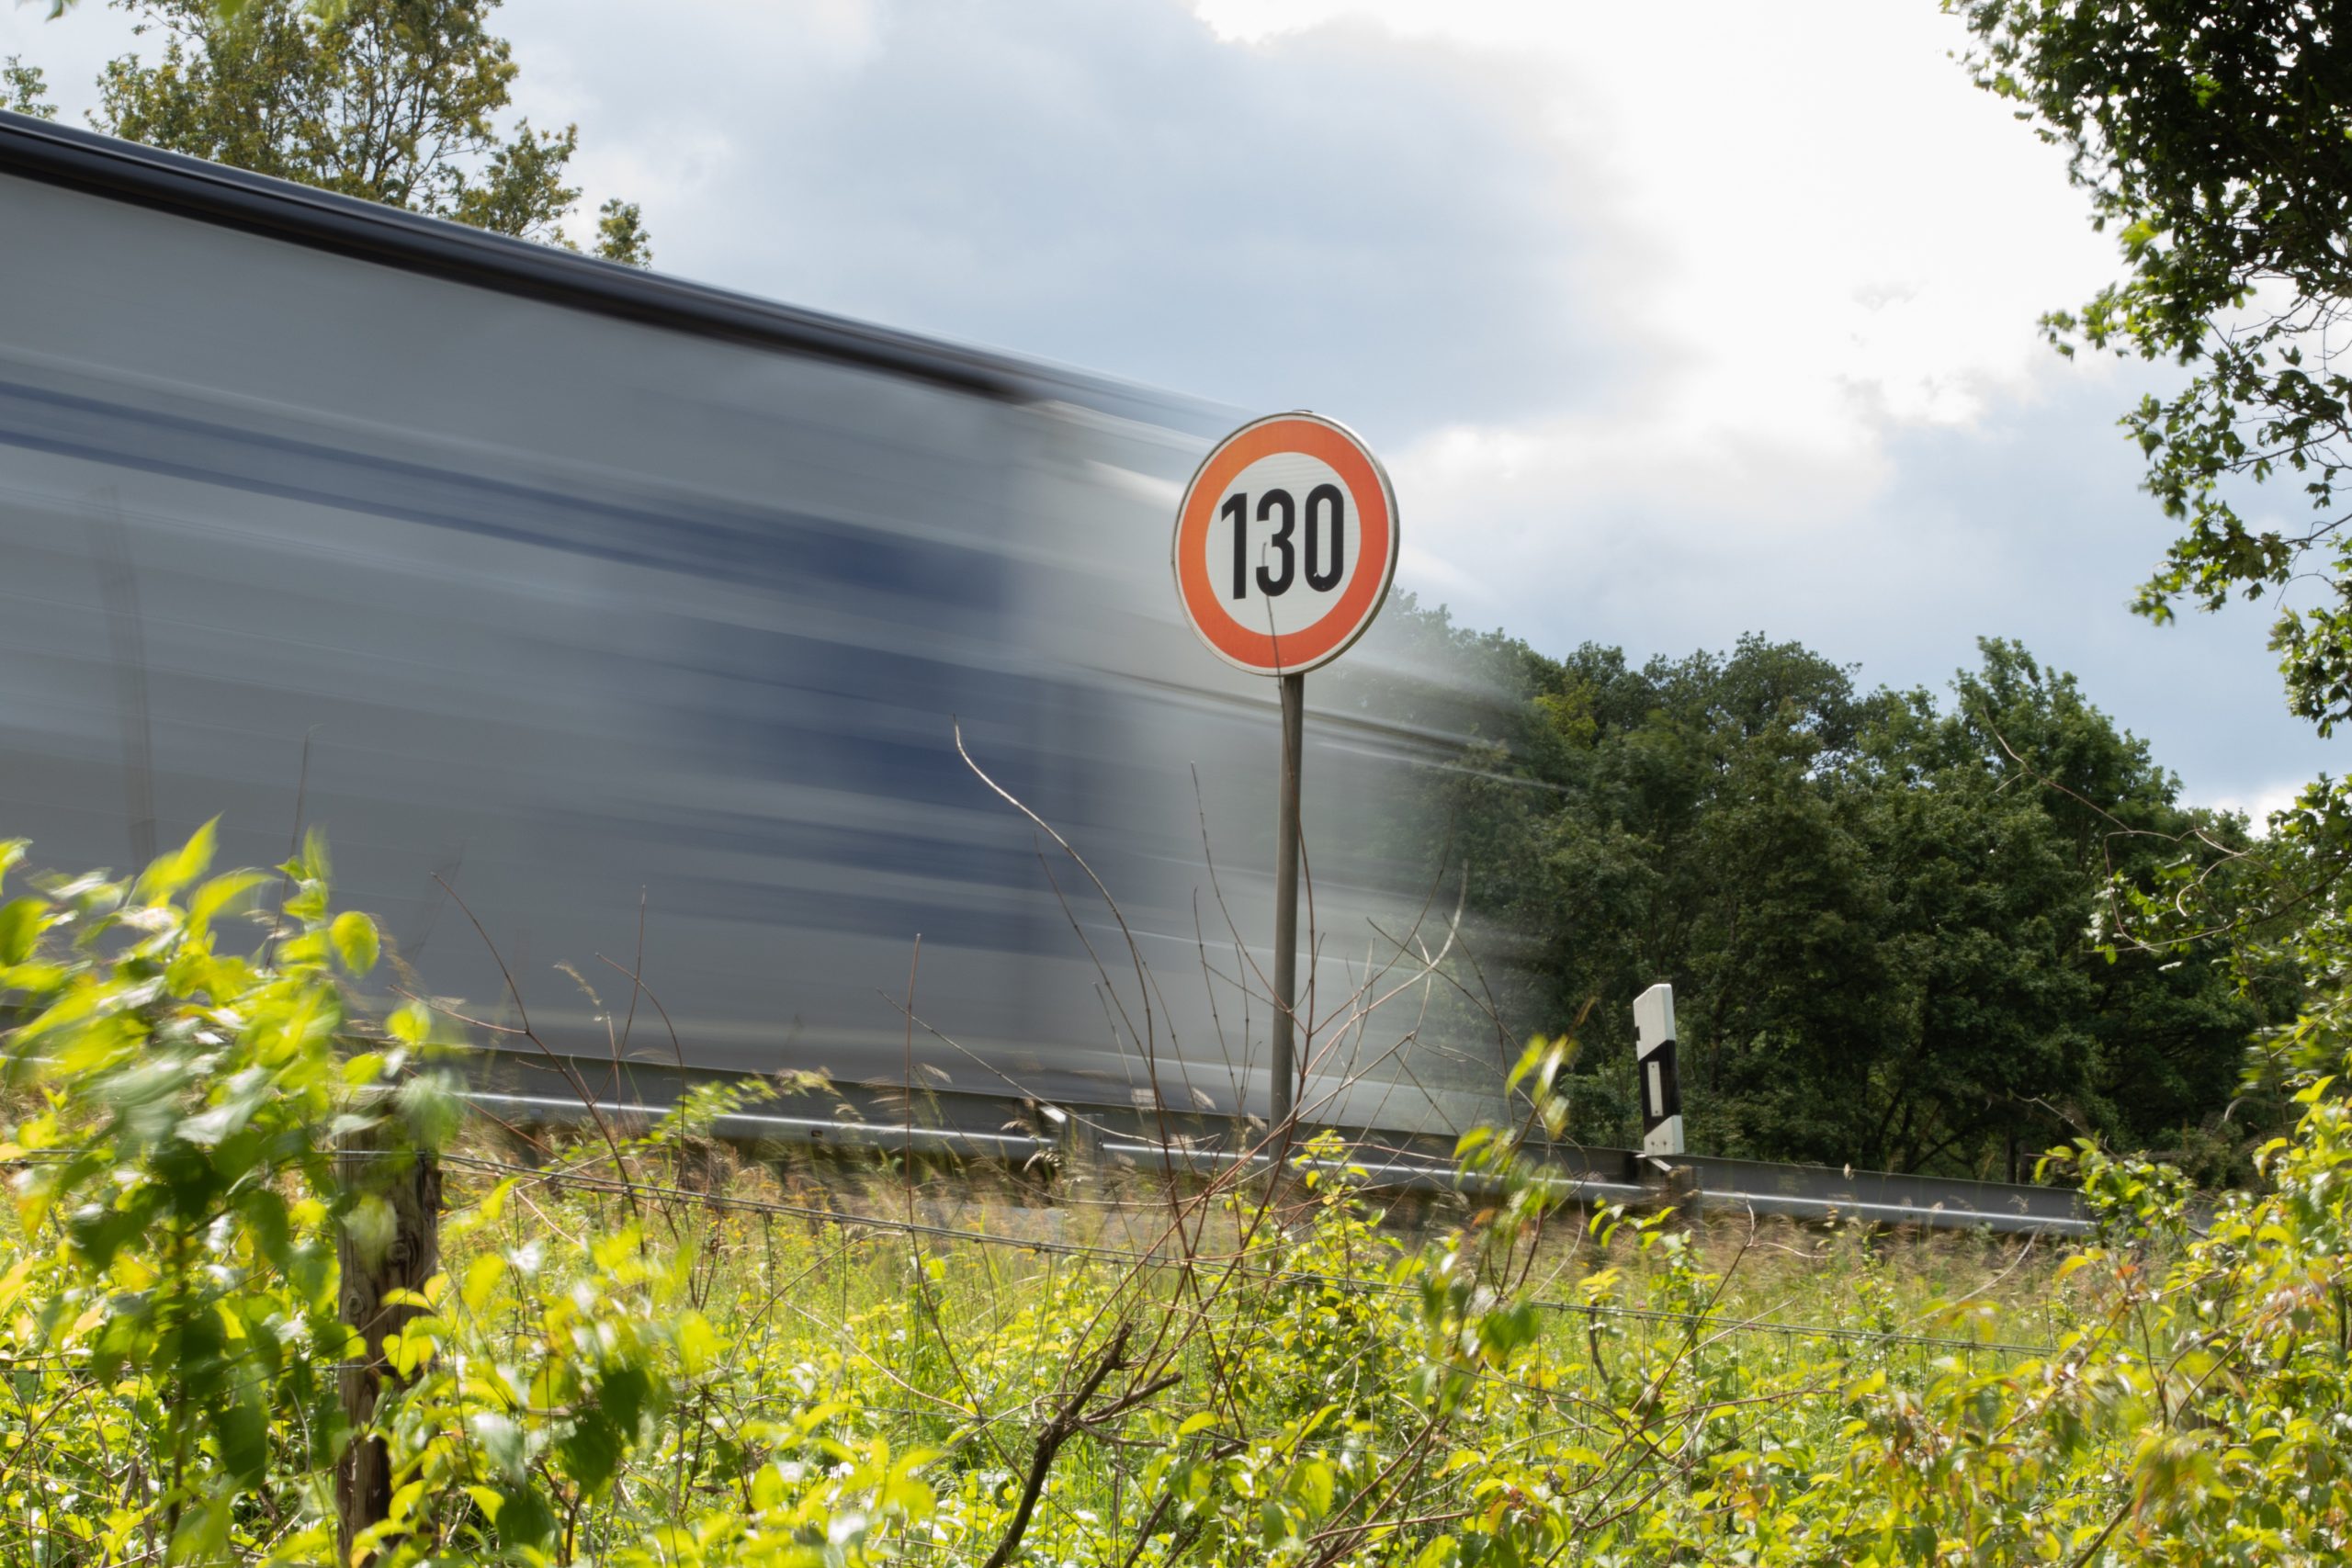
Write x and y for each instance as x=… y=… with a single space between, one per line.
x=1653 y=1059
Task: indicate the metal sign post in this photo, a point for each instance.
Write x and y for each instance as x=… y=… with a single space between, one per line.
x=1282 y=1062
x=1285 y=545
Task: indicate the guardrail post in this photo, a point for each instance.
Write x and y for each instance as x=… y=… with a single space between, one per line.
x=1678 y=1185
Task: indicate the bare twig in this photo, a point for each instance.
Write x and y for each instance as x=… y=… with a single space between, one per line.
x=1068 y=1422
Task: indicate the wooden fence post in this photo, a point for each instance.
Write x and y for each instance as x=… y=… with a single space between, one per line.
x=410 y=1179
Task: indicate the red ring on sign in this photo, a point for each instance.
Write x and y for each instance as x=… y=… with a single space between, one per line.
x=1376 y=530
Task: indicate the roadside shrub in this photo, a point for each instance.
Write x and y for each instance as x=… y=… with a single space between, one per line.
x=617 y=1363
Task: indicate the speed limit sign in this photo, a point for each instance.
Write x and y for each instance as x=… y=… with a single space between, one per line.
x=1285 y=544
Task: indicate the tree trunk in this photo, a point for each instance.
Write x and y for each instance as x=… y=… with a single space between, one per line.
x=411 y=1181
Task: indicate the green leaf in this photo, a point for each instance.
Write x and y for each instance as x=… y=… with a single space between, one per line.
x=524 y=1519
x=1436 y=1554
x=623 y=1395
x=173 y=872
x=203 y=1533
x=482 y=1276
x=208 y=901
x=430 y=1108
x=1529 y=1058
x=244 y=1441
x=371 y=1225
x=591 y=1453
x=411 y=1024
x=354 y=936
x=21 y=923
x=99 y=1233
x=502 y=1444
x=1312 y=1485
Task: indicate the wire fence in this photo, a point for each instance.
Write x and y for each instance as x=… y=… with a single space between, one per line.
x=1095 y=1252
x=1124 y=1257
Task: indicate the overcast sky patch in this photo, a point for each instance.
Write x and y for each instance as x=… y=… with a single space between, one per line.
x=1674 y=323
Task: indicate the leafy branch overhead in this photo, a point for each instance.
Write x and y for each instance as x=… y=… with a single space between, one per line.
x=23 y=89
x=2212 y=140
x=403 y=102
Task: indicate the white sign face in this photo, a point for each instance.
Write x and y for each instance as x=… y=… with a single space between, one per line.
x=1285 y=544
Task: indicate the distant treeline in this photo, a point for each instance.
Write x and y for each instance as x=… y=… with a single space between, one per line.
x=1881 y=913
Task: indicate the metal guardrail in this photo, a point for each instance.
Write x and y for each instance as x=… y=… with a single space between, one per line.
x=528 y=1090
x=1944 y=1203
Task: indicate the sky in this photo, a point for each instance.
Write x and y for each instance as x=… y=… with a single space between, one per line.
x=1672 y=324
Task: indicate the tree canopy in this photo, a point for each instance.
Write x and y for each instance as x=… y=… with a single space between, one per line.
x=2212 y=137
x=2216 y=140
x=396 y=101
x=1877 y=909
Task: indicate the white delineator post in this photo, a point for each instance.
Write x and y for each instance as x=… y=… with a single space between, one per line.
x=1653 y=1059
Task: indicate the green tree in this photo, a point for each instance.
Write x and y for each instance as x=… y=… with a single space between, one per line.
x=2212 y=137
x=23 y=89
x=1999 y=825
x=1875 y=909
x=395 y=101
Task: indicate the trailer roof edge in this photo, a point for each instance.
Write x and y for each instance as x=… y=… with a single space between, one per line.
x=214 y=193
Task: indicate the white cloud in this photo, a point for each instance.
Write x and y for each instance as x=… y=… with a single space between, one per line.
x=1352 y=222
x=1823 y=235
x=1817 y=230
x=2259 y=802
x=1834 y=418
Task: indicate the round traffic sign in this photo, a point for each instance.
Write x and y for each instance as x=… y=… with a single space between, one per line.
x=1285 y=544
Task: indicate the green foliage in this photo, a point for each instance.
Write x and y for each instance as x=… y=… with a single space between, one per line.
x=2210 y=138
x=612 y=1369
x=1877 y=913
x=23 y=89
x=621 y=235
x=178 y=1167
x=394 y=101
